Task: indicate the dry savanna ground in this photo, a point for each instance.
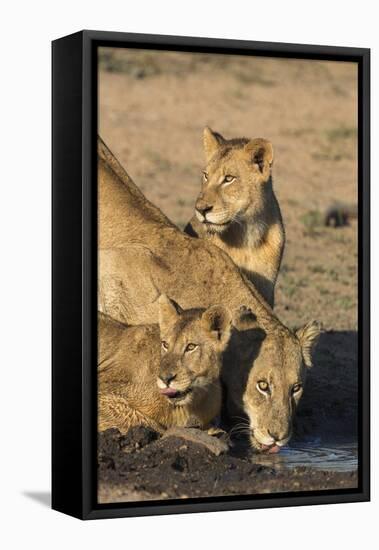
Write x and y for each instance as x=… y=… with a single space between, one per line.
x=152 y=110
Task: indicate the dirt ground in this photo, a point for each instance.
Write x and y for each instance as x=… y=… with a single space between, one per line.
x=152 y=111
x=143 y=466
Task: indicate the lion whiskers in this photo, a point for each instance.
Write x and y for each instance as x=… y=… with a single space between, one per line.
x=241 y=428
x=219 y=217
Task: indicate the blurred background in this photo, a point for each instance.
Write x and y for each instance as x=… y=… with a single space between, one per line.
x=153 y=106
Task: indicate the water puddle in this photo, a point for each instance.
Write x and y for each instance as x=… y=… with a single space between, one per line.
x=336 y=457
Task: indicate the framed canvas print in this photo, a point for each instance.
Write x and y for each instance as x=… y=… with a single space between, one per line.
x=210 y=274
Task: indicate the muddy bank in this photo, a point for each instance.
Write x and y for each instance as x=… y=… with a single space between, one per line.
x=142 y=465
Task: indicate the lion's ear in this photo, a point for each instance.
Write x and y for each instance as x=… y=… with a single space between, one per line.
x=169 y=311
x=218 y=321
x=308 y=337
x=212 y=141
x=261 y=153
x=244 y=318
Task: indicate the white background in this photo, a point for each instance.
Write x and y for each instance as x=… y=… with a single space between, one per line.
x=27 y=29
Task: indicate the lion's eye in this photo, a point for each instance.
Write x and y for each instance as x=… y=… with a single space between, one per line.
x=296 y=388
x=263 y=386
x=229 y=179
x=205 y=176
x=164 y=345
x=190 y=347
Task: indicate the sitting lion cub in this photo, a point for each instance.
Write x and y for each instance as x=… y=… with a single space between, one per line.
x=162 y=375
x=237 y=209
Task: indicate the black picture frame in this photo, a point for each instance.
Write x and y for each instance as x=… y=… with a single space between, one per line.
x=74 y=272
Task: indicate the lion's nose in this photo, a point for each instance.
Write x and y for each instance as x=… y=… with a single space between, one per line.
x=203 y=207
x=167 y=377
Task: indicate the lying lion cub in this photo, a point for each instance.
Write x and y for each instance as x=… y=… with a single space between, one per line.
x=162 y=375
x=237 y=209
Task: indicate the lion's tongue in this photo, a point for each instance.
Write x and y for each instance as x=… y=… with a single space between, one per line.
x=271 y=448
x=170 y=392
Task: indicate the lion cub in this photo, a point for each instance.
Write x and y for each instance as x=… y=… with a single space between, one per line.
x=162 y=375
x=237 y=209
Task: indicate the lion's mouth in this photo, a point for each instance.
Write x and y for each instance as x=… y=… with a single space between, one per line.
x=174 y=395
x=262 y=448
x=214 y=224
x=271 y=449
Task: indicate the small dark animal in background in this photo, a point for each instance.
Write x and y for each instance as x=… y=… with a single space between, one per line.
x=339 y=215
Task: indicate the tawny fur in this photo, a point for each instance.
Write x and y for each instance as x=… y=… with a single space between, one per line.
x=241 y=216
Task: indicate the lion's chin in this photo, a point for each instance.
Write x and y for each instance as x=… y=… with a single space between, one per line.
x=213 y=228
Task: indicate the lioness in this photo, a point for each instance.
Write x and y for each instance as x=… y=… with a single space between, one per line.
x=162 y=375
x=265 y=383
x=143 y=255
x=237 y=209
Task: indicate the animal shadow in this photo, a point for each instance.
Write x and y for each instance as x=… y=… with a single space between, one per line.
x=329 y=406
